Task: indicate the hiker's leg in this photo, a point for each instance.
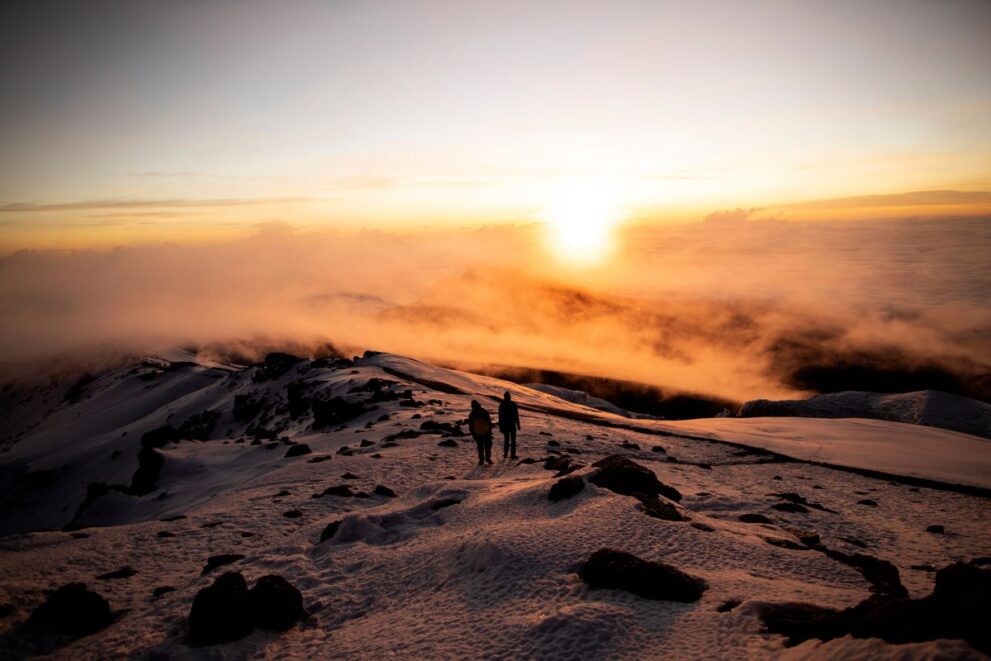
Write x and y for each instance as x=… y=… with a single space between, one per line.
x=488 y=449
x=511 y=438
x=505 y=445
x=480 y=444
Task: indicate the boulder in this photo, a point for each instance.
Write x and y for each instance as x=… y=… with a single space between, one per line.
x=611 y=569
x=215 y=561
x=221 y=613
x=72 y=610
x=382 y=490
x=275 y=603
x=566 y=487
x=298 y=450
x=329 y=531
x=623 y=476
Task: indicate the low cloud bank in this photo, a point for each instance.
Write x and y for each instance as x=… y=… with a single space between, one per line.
x=734 y=310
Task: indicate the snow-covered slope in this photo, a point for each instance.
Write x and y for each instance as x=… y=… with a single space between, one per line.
x=925 y=407
x=422 y=576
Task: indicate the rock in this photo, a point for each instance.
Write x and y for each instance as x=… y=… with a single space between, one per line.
x=444 y=502
x=162 y=589
x=727 y=606
x=275 y=603
x=275 y=365
x=704 y=527
x=553 y=444
x=342 y=490
x=215 y=561
x=785 y=544
x=623 y=476
x=319 y=459
x=795 y=498
x=790 y=507
x=566 y=487
x=365 y=443
x=560 y=464
x=442 y=427
x=382 y=490
x=754 y=518
x=163 y=534
x=956 y=609
x=329 y=531
x=868 y=502
x=612 y=569
x=298 y=450
x=629 y=446
x=282 y=494
x=145 y=478
x=349 y=476
x=72 y=610
x=448 y=443
x=881 y=574
x=79 y=535
x=661 y=509
x=123 y=572
x=292 y=514
x=936 y=529
x=334 y=411
x=658 y=448
x=545 y=433
x=221 y=613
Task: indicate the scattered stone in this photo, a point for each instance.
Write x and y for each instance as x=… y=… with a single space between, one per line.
x=221 y=613
x=868 y=502
x=956 y=609
x=79 y=535
x=275 y=603
x=727 y=606
x=545 y=433
x=282 y=494
x=610 y=569
x=658 y=448
x=790 y=507
x=629 y=446
x=881 y=574
x=365 y=443
x=72 y=610
x=936 y=529
x=335 y=411
x=566 y=487
x=589 y=437
x=246 y=534
x=777 y=477
x=123 y=572
x=292 y=514
x=785 y=544
x=329 y=531
x=553 y=444
x=317 y=460
x=448 y=443
x=704 y=527
x=382 y=490
x=215 y=561
x=342 y=490
x=661 y=509
x=754 y=518
x=162 y=589
x=797 y=499
x=442 y=427
x=298 y=450
x=177 y=517
x=444 y=502
x=623 y=476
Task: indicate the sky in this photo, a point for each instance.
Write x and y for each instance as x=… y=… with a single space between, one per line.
x=146 y=122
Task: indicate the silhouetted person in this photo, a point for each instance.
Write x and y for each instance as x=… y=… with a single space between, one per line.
x=509 y=422
x=480 y=425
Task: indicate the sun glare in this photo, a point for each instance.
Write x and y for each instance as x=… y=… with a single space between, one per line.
x=580 y=220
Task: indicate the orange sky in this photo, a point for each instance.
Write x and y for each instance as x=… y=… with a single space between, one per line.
x=141 y=123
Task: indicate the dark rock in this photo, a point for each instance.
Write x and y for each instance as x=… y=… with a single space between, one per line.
x=406 y=433
x=329 y=530
x=868 y=502
x=566 y=487
x=727 y=606
x=345 y=451
x=275 y=603
x=444 y=502
x=275 y=365
x=790 y=507
x=854 y=541
x=754 y=518
x=545 y=433
x=298 y=450
x=881 y=574
x=797 y=499
x=123 y=572
x=79 y=535
x=553 y=444
x=448 y=443
x=443 y=427
x=342 y=490
x=292 y=514
x=623 y=476
x=72 y=610
x=785 y=544
x=335 y=411
x=221 y=613
x=658 y=448
x=611 y=569
x=349 y=476
x=162 y=589
x=159 y=437
x=382 y=490
x=365 y=443
x=704 y=527
x=956 y=609
x=319 y=459
x=282 y=494
x=177 y=517
x=629 y=446
x=215 y=561
x=936 y=529
x=560 y=464
x=661 y=509
x=247 y=407
x=145 y=478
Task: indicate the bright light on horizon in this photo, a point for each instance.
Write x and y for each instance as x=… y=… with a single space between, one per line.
x=581 y=217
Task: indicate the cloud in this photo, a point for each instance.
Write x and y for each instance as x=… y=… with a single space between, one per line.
x=910 y=199
x=29 y=207
x=731 y=216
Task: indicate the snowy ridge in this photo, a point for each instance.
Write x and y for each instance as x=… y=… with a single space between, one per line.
x=465 y=560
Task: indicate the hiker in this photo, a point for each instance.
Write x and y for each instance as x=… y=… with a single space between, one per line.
x=509 y=422
x=480 y=425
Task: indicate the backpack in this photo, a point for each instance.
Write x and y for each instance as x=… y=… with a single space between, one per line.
x=480 y=426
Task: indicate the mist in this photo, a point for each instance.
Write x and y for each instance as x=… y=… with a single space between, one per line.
x=730 y=307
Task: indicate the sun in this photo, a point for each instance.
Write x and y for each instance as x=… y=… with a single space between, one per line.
x=580 y=220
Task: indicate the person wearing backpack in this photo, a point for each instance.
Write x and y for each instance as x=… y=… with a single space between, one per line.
x=509 y=422
x=480 y=425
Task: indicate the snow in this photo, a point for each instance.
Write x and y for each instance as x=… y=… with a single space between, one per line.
x=492 y=576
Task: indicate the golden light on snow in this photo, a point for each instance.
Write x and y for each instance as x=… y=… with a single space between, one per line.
x=580 y=219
